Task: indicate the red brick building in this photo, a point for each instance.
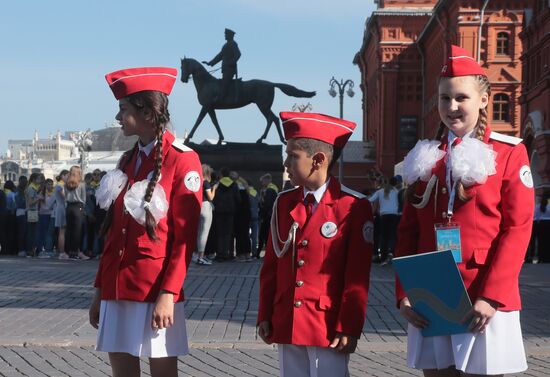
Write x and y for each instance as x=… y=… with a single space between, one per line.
x=535 y=93
x=404 y=47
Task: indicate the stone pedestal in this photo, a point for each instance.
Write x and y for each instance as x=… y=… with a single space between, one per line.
x=250 y=160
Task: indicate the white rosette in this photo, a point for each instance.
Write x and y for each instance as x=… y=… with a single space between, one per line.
x=135 y=205
x=110 y=187
x=473 y=161
x=419 y=162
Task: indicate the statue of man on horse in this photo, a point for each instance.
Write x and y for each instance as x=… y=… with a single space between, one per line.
x=229 y=55
x=259 y=92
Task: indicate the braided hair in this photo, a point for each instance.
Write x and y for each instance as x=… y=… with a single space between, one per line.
x=154 y=105
x=442 y=131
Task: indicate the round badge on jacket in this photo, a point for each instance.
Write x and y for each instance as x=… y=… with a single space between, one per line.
x=368 y=232
x=329 y=229
x=192 y=181
x=525 y=176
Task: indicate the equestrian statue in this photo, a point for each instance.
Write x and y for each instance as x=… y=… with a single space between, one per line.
x=213 y=94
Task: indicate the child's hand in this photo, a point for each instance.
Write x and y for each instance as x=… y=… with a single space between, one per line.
x=344 y=343
x=480 y=314
x=93 y=312
x=163 y=314
x=411 y=316
x=264 y=331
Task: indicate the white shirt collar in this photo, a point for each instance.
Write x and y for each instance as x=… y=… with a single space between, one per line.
x=147 y=148
x=318 y=194
x=452 y=137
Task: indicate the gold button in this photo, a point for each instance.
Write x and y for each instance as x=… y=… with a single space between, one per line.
x=304 y=243
x=120 y=252
x=125 y=211
x=301 y=262
x=299 y=283
x=298 y=304
x=444 y=190
x=123 y=230
x=444 y=215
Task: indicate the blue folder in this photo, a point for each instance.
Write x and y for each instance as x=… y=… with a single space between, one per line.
x=436 y=291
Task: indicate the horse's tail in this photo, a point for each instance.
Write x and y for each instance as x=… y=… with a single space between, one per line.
x=290 y=90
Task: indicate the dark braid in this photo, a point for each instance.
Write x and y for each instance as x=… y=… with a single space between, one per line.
x=155 y=107
x=124 y=161
x=150 y=223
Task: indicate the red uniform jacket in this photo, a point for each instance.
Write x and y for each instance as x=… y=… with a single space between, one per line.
x=324 y=288
x=132 y=266
x=495 y=225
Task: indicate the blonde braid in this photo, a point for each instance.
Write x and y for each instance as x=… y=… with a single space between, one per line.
x=481 y=127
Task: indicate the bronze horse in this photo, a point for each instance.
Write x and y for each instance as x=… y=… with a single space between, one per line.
x=240 y=94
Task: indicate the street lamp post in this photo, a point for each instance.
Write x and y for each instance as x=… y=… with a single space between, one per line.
x=341 y=86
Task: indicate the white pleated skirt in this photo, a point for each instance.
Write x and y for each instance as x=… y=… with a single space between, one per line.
x=125 y=326
x=498 y=351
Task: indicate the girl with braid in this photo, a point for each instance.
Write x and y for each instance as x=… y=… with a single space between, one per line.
x=153 y=200
x=478 y=181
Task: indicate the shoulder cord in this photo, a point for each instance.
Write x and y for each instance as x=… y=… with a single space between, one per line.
x=276 y=237
x=426 y=196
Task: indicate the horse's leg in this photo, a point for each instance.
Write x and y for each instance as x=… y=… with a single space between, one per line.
x=269 y=118
x=278 y=125
x=201 y=116
x=212 y=114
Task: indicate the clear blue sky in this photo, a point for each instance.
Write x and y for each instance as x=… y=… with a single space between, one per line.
x=55 y=55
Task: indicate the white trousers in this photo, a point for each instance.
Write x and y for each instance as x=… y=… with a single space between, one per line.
x=310 y=361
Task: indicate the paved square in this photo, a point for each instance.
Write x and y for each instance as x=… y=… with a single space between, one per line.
x=45 y=332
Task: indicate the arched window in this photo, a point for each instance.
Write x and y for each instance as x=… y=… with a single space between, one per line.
x=503 y=43
x=501 y=108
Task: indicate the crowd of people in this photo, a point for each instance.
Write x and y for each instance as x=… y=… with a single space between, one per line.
x=235 y=217
x=46 y=219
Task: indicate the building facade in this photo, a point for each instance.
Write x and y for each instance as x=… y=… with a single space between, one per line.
x=404 y=47
x=535 y=93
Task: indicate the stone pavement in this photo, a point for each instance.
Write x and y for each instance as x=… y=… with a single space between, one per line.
x=44 y=328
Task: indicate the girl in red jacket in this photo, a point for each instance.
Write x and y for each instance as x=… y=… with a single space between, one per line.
x=479 y=180
x=153 y=200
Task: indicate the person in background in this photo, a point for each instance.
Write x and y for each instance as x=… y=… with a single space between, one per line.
x=3 y=218
x=242 y=223
x=21 y=215
x=205 y=222
x=33 y=197
x=11 y=219
x=75 y=196
x=542 y=217
x=89 y=227
x=388 y=207
x=99 y=215
x=60 y=212
x=268 y=194
x=253 y=198
x=45 y=220
x=226 y=203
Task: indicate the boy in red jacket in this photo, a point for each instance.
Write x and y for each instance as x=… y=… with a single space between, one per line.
x=315 y=277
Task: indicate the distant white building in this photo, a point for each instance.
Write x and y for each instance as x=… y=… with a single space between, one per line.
x=55 y=153
x=51 y=149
